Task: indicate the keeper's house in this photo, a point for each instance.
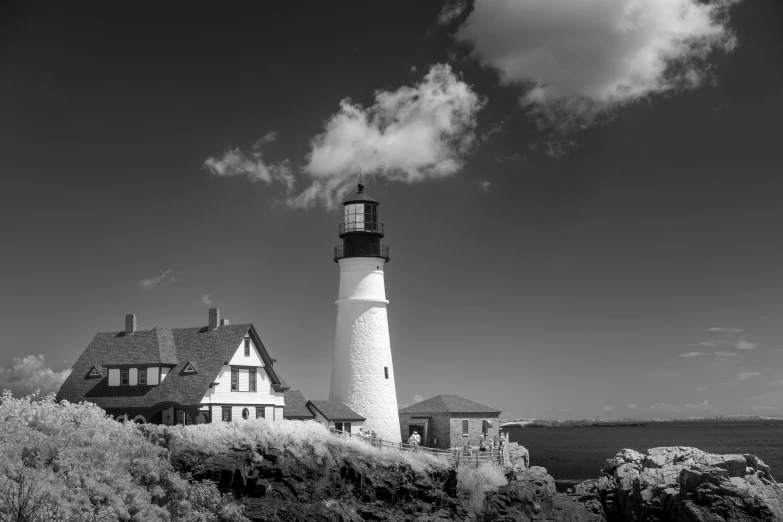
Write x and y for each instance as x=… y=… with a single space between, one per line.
x=179 y=376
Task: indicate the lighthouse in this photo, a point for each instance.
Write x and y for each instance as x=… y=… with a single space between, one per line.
x=362 y=370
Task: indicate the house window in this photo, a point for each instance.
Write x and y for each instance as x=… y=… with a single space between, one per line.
x=234 y=379
x=188 y=419
x=142 y=376
x=247 y=347
x=226 y=413
x=245 y=413
x=386 y=371
x=464 y=427
x=347 y=427
x=180 y=415
x=260 y=413
x=124 y=378
x=252 y=379
x=338 y=426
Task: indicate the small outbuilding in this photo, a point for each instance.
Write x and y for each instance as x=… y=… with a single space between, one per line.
x=335 y=414
x=446 y=421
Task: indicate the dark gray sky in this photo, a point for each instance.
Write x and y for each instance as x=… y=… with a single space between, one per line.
x=607 y=281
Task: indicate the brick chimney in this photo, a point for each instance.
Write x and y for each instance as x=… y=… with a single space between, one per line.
x=130 y=324
x=214 y=318
x=224 y=322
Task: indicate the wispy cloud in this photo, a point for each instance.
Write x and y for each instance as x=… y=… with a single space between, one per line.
x=581 y=59
x=152 y=282
x=234 y=162
x=29 y=374
x=632 y=406
x=662 y=406
x=725 y=330
x=608 y=408
x=746 y=345
x=692 y=354
x=206 y=300
x=702 y=406
x=417 y=398
x=708 y=343
x=775 y=383
x=564 y=410
x=451 y=11
x=761 y=408
x=485 y=186
x=701 y=389
x=725 y=354
x=744 y=376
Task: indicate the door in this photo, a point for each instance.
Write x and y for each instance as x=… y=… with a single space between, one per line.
x=418 y=428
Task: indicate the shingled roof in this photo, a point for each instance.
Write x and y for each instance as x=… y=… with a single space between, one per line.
x=448 y=404
x=208 y=350
x=296 y=406
x=335 y=411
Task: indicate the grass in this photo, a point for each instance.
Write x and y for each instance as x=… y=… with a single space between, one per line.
x=477 y=482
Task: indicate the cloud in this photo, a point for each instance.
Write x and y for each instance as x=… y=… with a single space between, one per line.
x=775 y=383
x=417 y=398
x=411 y=134
x=206 y=300
x=29 y=374
x=234 y=162
x=581 y=58
x=725 y=330
x=485 y=186
x=701 y=389
x=662 y=406
x=764 y=408
x=744 y=376
x=608 y=408
x=152 y=282
x=632 y=406
x=708 y=343
x=746 y=345
x=725 y=354
x=692 y=354
x=564 y=410
x=701 y=406
x=450 y=12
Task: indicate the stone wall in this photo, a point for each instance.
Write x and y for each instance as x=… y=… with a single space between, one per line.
x=475 y=425
x=448 y=430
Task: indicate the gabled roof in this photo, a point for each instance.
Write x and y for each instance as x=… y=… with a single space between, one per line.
x=334 y=411
x=448 y=404
x=206 y=349
x=296 y=406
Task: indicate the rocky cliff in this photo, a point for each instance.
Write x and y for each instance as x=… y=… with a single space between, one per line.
x=685 y=484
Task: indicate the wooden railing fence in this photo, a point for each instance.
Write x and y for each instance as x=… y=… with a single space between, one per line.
x=456 y=456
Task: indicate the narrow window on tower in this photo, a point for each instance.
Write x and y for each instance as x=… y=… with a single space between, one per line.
x=247 y=347
x=386 y=371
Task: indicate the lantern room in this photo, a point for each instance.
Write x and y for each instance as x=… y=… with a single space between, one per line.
x=360 y=230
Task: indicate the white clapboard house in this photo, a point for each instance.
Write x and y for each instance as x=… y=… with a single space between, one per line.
x=180 y=375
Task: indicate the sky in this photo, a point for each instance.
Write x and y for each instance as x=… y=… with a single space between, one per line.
x=582 y=199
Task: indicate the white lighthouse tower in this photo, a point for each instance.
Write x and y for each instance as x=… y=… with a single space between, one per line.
x=362 y=370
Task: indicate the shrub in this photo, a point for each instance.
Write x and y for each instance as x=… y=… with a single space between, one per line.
x=477 y=482
x=71 y=462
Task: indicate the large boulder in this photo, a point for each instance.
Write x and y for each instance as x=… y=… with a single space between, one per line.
x=530 y=495
x=685 y=484
x=518 y=456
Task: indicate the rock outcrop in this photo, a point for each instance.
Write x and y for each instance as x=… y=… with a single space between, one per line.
x=518 y=456
x=530 y=495
x=685 y=484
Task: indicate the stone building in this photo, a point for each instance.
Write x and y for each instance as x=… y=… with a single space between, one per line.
x=446 y=421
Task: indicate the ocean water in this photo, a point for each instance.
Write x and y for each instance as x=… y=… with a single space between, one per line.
x=579 y=453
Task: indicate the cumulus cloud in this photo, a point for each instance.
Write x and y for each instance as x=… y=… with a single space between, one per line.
x=29 y=374
x=701 y=406
x=662 y=406
x=692 y=354
x=152 y=282
x=725 y=354
x=581 y=58
x=632 y=406
x=411 y=134
x=206 y=300
x=744 y=376
x=746 y=345
x=725 y=330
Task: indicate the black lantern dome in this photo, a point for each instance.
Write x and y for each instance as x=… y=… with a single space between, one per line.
x=360 y=230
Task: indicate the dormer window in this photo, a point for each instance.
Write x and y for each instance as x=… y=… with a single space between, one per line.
x=189 y=368
x=143 y=377
x=94 y=372
x=247 y=347
x=124 y=377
